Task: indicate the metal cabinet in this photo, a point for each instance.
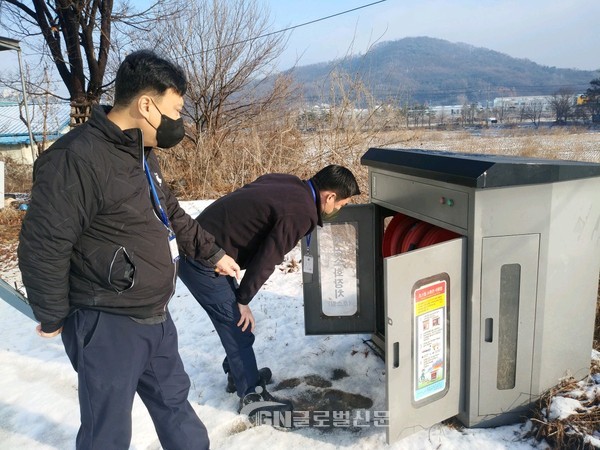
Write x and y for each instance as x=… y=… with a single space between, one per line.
x=468 y=324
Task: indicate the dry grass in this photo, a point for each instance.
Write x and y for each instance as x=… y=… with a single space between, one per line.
x=220 y=163
x=569 y=432
x=10 y=224
x=17 y=177
x=571 y=143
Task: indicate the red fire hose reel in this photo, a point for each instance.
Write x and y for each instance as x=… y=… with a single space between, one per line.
x=405 y=233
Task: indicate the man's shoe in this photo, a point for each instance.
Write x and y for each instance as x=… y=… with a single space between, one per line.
x=264 y=377
x=264 y=409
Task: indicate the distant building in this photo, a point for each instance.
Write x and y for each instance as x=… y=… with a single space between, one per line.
x=47 y=125
x=521 y=102
x=449 y=110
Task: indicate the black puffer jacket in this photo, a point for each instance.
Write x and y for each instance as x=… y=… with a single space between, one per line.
x=91 y=236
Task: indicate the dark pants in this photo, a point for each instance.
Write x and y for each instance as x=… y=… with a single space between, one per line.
x=115 y=357
x=216 y=294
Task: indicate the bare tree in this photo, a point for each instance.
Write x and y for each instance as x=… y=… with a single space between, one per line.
x=469 y=113
x=534 y=111
x=561 y=104
x=77 y=36
x=522 y=112
x=228 y=53
x=500 y=110
x=442 y=116
x=239 y=123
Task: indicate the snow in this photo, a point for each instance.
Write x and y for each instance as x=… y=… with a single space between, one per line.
x=563 y=407
x=38 y=394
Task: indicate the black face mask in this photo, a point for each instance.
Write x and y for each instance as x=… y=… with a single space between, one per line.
x=170 y=132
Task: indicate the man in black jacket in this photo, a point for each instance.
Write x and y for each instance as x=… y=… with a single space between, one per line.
x=257 y=225
x=99 y=250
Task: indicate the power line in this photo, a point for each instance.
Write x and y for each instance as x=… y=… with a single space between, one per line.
x=317 y=20
x=291 y=28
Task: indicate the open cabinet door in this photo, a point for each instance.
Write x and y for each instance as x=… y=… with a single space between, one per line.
x=424 y=298
x=338 y=273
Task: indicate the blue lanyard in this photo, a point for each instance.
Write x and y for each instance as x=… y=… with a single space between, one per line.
x=309 y=235
x=163 y=216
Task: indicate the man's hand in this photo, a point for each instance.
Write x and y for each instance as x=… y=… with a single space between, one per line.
x=227 y=266
x=246 y=317
x=47 y=335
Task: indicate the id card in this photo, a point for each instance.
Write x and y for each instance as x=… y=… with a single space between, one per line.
x=173 y=247
x=307 y=264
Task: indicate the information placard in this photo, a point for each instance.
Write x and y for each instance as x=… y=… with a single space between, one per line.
x=430 y=337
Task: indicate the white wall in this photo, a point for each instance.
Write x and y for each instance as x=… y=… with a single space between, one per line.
x=21 y=154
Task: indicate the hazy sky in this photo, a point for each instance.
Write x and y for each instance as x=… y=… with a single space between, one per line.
x=556 y=33
x=551 y=32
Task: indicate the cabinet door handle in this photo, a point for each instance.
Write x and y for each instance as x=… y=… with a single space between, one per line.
x=396 y=355
x=489 y=330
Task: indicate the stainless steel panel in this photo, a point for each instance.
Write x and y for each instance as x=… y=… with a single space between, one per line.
x=509 y=277
x=568 y=284
x=434 y=201
x=424 y=336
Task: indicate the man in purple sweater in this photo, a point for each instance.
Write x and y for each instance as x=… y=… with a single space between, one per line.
x=257 y=225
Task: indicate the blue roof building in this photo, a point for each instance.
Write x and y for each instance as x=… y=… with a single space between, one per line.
x=48 y=123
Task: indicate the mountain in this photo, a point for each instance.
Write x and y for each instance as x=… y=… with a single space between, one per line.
x=438 y=72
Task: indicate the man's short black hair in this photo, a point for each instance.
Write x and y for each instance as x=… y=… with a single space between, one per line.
x=337 y=179
x=144 y=71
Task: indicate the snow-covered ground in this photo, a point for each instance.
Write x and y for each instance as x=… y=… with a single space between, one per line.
x=38 y=387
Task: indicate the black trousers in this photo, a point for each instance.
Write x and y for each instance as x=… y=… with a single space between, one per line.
x=115 y=357
x=216 y=294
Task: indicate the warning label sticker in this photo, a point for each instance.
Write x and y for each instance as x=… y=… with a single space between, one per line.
x=430 y=330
